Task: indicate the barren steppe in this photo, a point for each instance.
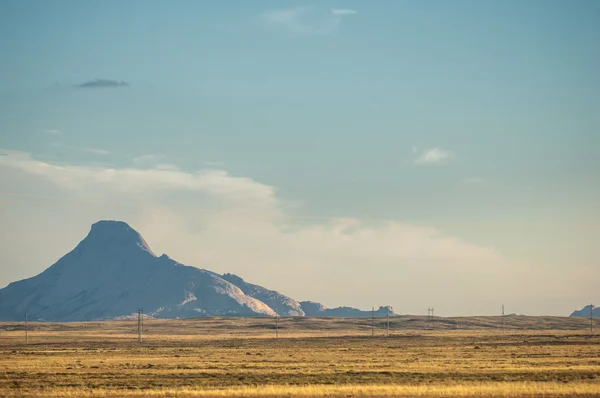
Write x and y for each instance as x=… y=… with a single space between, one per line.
x=446 y=357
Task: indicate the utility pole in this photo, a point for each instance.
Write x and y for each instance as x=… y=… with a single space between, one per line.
x=388 y=322
x=503 y=324
x=591 y=318
x=373 y=322
x=276 y=324
x=26 y=329
x=140 y=323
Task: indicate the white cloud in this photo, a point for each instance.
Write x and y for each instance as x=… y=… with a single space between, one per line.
x=434 y=155
x=343 y=11
x=227 y=223
x=149 y=160
x=105 y=182
x=306 y=21
x=166 y=166
x=95 y=151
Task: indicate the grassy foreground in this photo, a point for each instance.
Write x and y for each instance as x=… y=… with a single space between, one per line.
x=312 y=358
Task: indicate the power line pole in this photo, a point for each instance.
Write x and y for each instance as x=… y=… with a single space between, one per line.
x=372 y=321
x=140 y=323
x=26 y=329
x=503 y=324
x=276 y=324
x=388 y=322
x=591 y=318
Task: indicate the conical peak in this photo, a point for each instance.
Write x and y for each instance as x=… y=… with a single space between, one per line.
x=107 y=233
x=104 y=225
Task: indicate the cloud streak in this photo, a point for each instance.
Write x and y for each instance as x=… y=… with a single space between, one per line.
x=434 y=156
x=343 y=11
x=95 y=151
x=102 y=83
x=306 y=21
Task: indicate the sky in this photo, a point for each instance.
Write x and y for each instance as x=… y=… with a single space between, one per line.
x=404 y=153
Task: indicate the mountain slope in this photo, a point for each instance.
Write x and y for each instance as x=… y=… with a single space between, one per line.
x=111 y=273
x=285 y=306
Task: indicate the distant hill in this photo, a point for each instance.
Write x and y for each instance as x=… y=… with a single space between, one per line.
x=113 y=272
x=311 y=308
x=585 y=312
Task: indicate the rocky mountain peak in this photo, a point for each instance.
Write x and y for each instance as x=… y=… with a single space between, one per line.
x=108 y=234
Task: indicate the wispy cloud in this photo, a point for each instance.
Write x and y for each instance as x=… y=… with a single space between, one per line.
x=434 y=155
x=95 y=151
x=51 y=132
x=306 y=21
x=166 y=166
x=343 y=11
x=102 y=83
x=149 y=160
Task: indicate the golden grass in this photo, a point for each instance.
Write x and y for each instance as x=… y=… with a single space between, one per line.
x=522 y=389
x=240 y=357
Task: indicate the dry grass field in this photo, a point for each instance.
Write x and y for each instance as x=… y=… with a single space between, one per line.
x=224 y=357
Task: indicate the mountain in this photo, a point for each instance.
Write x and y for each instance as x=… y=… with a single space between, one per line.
x=585 y=312
x=311 y=308
x=283 y=305
x=113 y=272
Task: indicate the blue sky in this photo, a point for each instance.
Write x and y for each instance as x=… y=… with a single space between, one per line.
x=477 y=119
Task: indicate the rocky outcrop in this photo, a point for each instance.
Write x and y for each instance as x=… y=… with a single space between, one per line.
x=283 y=305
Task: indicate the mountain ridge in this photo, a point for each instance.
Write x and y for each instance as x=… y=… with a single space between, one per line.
x=113 y=271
